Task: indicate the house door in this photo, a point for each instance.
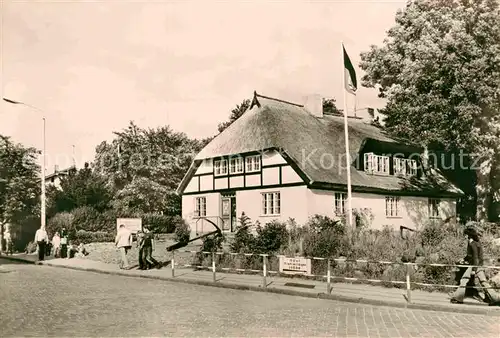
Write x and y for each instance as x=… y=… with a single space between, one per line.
x=228 y=213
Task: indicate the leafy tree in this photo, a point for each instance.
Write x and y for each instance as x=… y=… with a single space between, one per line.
x=144 y=167
x=439 y=69
x=236 y=113
x=80 y=188
x=330 y=107
x=19 y=183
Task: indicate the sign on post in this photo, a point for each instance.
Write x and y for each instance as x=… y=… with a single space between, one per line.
x=295 y=266
x=133 y=224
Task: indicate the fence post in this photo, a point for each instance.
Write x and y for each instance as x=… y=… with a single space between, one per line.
x=213 y=266
x=173 y=263
x=264 y=271
x=408 y=283
x=328 y=277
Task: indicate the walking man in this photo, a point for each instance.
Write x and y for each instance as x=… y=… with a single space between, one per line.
x=474 y=275
x=123 y=242
x=148 y=246
x=41 y=238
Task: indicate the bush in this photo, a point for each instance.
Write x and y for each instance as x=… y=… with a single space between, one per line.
x=87 y=218
x=244 y=240
x=59 y=221
x=86 y=237
x=182 y=231
x=31 y=247
x=162 y=224
x=324 y=237
x=271 y=238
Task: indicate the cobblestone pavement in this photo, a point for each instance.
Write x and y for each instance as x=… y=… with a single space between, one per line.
x=46 y=301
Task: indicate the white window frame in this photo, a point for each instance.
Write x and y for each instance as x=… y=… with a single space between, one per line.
x=236 y=165
x=271 y=203
x=434 y=208
x=340 y=202
x=376 y=164
x=252 y=163
x=404 y=167
x=393 y=206
x=200 y=206
x=220 y=167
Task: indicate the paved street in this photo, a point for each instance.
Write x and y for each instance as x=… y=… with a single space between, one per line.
x=47 y=301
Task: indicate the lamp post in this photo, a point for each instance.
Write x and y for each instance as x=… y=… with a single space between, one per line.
x=42 y=176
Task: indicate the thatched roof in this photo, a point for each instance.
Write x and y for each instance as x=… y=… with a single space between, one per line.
x=275 y=124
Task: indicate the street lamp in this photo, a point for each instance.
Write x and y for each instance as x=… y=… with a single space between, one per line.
x=42 y=198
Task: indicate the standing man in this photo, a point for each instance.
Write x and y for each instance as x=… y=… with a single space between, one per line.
x=41 y=238
x=123 y=242
x=64 y=243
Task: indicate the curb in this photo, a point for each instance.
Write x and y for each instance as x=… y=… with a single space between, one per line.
x=484 y=310
x=18 y=259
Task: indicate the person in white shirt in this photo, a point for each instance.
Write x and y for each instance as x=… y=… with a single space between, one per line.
x=56 y=243
x=8 y=242
x=41 y=238
x=123 y=242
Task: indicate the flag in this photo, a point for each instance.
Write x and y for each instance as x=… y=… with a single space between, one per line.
x=351 y=84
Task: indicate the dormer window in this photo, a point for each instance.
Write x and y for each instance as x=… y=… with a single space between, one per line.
x=252 y=163
x=236 y=165
x=376 y=164
x=220 y=167
x=405 y=167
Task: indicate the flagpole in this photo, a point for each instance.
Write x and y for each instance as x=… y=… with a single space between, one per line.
x=348 y=157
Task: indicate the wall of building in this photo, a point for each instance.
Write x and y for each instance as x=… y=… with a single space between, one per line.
x=292 y=200
x=413 y=210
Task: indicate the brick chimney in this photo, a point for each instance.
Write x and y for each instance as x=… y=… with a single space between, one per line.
x=314 y=104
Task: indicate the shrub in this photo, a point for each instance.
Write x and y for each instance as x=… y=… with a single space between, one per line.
x=182 y=231
x=87 y=218
x=244 y=240
x=161 y=224
x=86 y=237
x=271 y=238
x=31 y=247
x=324 y=237
x=59 y=221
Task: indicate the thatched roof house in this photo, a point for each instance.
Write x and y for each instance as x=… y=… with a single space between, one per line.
x=313 y=145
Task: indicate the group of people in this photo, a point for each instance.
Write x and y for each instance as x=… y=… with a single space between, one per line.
x=145 y=245
x=473 y=281
x=59 y=246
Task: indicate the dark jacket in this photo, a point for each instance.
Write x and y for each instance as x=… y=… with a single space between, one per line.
x=474 y=254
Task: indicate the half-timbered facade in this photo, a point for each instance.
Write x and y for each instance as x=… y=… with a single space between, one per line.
x=282 y=160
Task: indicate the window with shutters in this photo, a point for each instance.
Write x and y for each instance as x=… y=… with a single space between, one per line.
x=376 y=164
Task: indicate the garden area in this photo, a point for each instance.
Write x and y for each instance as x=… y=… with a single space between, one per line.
x=322 y=237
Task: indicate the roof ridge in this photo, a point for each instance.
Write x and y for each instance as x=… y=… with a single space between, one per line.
x=276 y=99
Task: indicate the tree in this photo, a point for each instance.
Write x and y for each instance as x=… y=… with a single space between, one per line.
x=235 y=114
x=19 y=183
x=80 y=188
x=439 y=69
x=144 y=167
x=330 y=107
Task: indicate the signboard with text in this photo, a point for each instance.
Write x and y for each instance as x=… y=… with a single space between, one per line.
x=133 y=224
x=295 y=265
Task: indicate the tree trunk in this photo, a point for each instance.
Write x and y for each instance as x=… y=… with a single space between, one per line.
x=2 y=229
x=484 y=188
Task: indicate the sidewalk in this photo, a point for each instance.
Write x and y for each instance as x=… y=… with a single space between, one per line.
x=357 y=293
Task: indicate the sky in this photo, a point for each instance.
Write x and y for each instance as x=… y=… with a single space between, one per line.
x=93 y=66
